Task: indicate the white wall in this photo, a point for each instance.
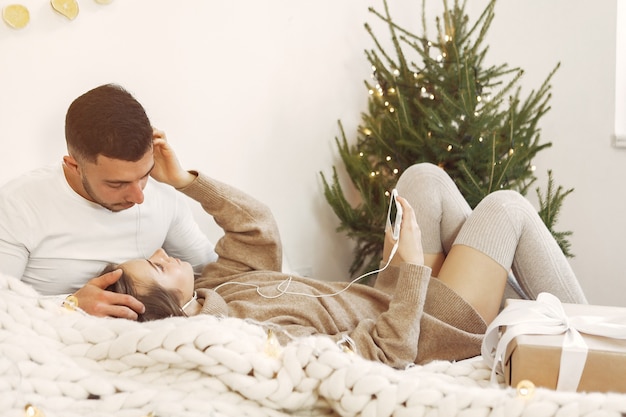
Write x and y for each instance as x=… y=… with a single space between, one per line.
x=535 y=35
x=620 y=76
x=250 y=92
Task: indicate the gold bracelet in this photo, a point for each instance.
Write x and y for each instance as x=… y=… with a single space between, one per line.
x=71 y=302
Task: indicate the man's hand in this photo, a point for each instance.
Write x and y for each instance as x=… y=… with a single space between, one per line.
x=94 y=299
x=167 y=169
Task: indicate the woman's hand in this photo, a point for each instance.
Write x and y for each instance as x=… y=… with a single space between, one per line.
x=410 y=242
x=167 y=169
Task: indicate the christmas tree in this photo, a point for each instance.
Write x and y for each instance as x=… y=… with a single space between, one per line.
x=435 y=100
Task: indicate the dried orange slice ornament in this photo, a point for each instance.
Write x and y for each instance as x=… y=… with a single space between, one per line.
x=16 y=16
x=68 y=8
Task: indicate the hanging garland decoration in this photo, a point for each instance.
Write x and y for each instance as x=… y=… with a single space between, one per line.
x=67 y=8
x=17 y=16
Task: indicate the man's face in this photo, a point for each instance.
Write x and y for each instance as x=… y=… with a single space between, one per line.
x=116 y=184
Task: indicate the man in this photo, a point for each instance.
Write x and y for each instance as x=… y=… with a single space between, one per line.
x=60 y=226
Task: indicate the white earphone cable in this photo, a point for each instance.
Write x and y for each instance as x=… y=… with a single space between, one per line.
x=283 y=287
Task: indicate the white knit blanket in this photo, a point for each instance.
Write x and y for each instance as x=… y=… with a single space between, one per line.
x=70 y=364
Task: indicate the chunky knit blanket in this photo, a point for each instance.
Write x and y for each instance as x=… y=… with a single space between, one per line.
x=65 y=363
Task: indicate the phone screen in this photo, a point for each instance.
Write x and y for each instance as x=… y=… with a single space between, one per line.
x=394 y=216
x=393 y=210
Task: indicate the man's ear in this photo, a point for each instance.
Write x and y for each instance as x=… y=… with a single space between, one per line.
x=71 y=163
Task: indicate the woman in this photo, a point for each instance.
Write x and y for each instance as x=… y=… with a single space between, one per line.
x=407 y=316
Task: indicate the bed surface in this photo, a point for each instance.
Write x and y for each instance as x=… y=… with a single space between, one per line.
x=69 y=364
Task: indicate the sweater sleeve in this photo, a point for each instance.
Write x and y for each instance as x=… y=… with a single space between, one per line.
x=387 y=278
x=251 y=240
x=392 y=337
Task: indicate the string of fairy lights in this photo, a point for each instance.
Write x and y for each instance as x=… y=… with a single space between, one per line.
x=384 y=94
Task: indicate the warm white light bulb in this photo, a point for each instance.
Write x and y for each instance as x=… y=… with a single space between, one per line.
x=272 y=345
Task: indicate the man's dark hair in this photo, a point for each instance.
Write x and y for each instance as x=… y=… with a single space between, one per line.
x=107 y=121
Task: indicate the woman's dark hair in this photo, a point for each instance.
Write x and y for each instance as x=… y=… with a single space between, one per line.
x=107 y=121
x=160 y=302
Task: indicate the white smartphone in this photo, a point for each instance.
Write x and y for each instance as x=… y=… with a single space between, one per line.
x=394 y=215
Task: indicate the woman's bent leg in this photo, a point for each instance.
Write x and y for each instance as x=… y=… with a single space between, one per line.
x=507 y=229
x=475 y=277
x=440 y=209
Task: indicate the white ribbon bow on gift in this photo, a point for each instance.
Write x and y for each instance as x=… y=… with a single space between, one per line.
x=546 y=316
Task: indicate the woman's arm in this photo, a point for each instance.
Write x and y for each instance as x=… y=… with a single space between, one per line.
x=392 y=337
x=251 y=240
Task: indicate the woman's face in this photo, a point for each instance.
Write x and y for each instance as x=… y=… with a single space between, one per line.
x=170 y=273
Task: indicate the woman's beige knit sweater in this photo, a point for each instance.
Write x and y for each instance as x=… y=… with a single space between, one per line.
x=406 y=317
